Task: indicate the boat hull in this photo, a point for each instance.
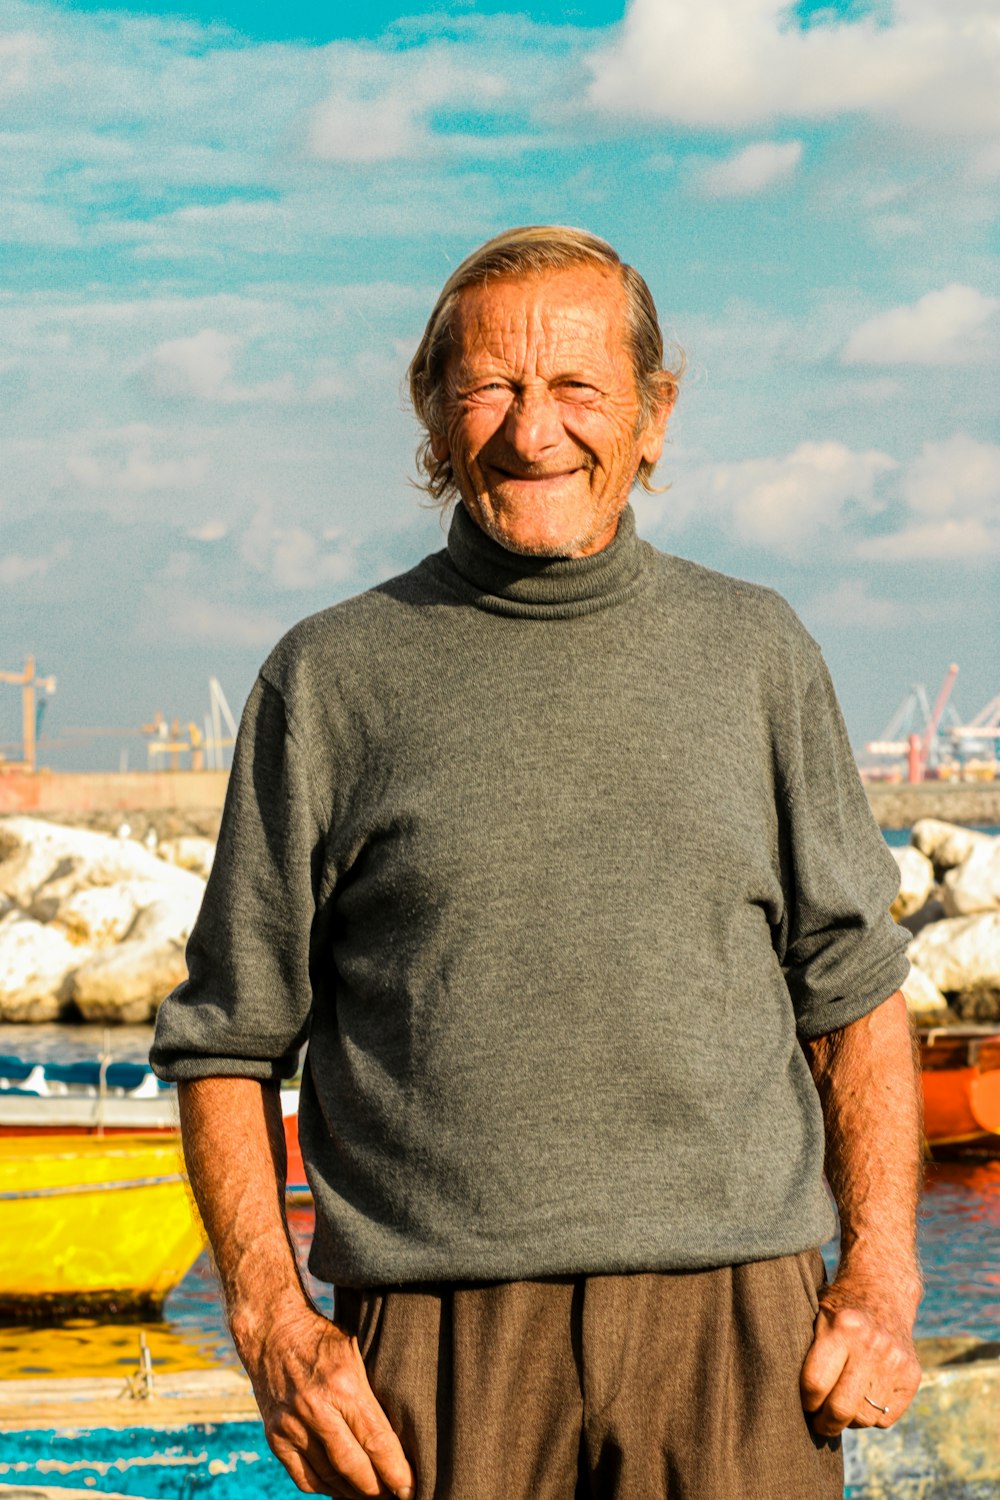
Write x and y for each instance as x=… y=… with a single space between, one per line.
x=960 y=1074
x=93 y=1223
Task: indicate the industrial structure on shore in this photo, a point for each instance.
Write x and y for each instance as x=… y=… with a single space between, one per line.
x=170 y=745
x=921 y=742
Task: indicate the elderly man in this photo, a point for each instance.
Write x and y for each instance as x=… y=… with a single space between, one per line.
x=554 y=851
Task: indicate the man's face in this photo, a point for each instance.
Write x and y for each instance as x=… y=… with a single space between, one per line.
x=542 y=412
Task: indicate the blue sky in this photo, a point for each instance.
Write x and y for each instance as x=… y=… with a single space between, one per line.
x=222 y=228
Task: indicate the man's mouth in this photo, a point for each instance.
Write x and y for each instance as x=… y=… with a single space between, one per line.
x=536 y=478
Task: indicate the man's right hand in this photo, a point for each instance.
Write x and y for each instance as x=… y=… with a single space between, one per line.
x=320 y=1415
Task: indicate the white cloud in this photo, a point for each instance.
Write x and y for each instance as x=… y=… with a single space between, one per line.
x=365 y=130
x=851 y=605
x=19 y=50
x=931 y=66
x=986 y=163
x=200 y=367
x=326 y=388
x=197 y=366
x=752 y=170
x=209 y=531
x=291 y=556
x=210 y=621
x=953 y=326
x=966 y=540
x=17 y=569
x=789 y=505
x=378 y=107
x=952 y=494
x=135 y=469
x=813 y=500
x=957 y=477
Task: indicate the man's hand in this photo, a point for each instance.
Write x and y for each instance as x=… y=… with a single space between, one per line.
x=320 y=1416
x=862 y=1370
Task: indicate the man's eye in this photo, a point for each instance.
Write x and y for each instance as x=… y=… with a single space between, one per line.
x=576 y=390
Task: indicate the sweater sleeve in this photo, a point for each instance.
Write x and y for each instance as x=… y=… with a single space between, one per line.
x=244 y=1009
x=841 y=951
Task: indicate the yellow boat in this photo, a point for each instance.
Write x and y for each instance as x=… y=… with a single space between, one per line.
x=93 y=1222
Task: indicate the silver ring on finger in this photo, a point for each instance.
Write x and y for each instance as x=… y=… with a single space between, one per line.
x=883 y=1409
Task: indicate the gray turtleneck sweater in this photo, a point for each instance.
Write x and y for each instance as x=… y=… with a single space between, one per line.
x=553 y=863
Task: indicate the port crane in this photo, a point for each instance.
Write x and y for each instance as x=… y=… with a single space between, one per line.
x=902 y=738
x=981 y=733
x=31 y=710
x=202 y=742
x=168 y=742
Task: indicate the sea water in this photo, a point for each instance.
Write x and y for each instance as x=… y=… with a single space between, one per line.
x=960 y=1247
x=958 y=1232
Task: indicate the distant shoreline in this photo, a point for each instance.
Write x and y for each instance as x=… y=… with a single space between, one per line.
x=898 y=805
x=103 y=799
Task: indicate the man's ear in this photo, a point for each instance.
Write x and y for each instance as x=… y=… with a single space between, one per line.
x=440 y=446
x=652 y=439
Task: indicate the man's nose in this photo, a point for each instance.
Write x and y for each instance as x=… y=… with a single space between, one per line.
x=533 y=425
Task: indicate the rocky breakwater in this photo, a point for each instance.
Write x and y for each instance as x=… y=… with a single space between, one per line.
x=950 y=900
x=93 y=926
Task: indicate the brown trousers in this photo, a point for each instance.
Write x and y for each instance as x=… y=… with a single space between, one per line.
x=642 y=1387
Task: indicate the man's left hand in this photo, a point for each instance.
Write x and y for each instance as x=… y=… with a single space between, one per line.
x=862 y=1369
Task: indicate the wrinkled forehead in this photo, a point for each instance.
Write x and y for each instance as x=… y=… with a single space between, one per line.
x=580 y=309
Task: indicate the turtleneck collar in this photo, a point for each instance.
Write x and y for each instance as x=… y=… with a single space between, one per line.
x=507 y=583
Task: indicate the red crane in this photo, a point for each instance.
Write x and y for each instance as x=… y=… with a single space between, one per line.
x=920 y=745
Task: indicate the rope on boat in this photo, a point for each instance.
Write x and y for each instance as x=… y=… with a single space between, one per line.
x=91 y=1187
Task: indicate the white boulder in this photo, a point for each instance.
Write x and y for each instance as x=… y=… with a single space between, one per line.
x=916 y=881
x=139 y=909
x=91 y=919
x=166 y=919
x=945 y=844
x=924 y=1001
x=125 y=985
x=190 y=852
x=100 y=915
x=41 y=863
x=30 y=850
x=36 y=963
x=960 y=953
x=974 y=885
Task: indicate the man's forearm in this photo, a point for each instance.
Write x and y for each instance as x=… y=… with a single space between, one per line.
x=869 y=1087
x=861 y=1369
x=320 y=1416
x=234 y=1146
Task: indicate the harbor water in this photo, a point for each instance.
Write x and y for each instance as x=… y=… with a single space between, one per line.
x=959 y=1245
x=959 y=1236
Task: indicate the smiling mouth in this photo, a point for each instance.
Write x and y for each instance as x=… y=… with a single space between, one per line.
x=532 y=478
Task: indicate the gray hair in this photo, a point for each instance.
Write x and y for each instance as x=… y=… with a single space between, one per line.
x=529 y=251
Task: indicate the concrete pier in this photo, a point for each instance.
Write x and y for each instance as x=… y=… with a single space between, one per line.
x=48 y=794
x=51 y=794
x=897 y=805
x=947 y=1445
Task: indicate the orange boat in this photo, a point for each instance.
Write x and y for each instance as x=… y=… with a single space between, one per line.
x=960 y=1070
